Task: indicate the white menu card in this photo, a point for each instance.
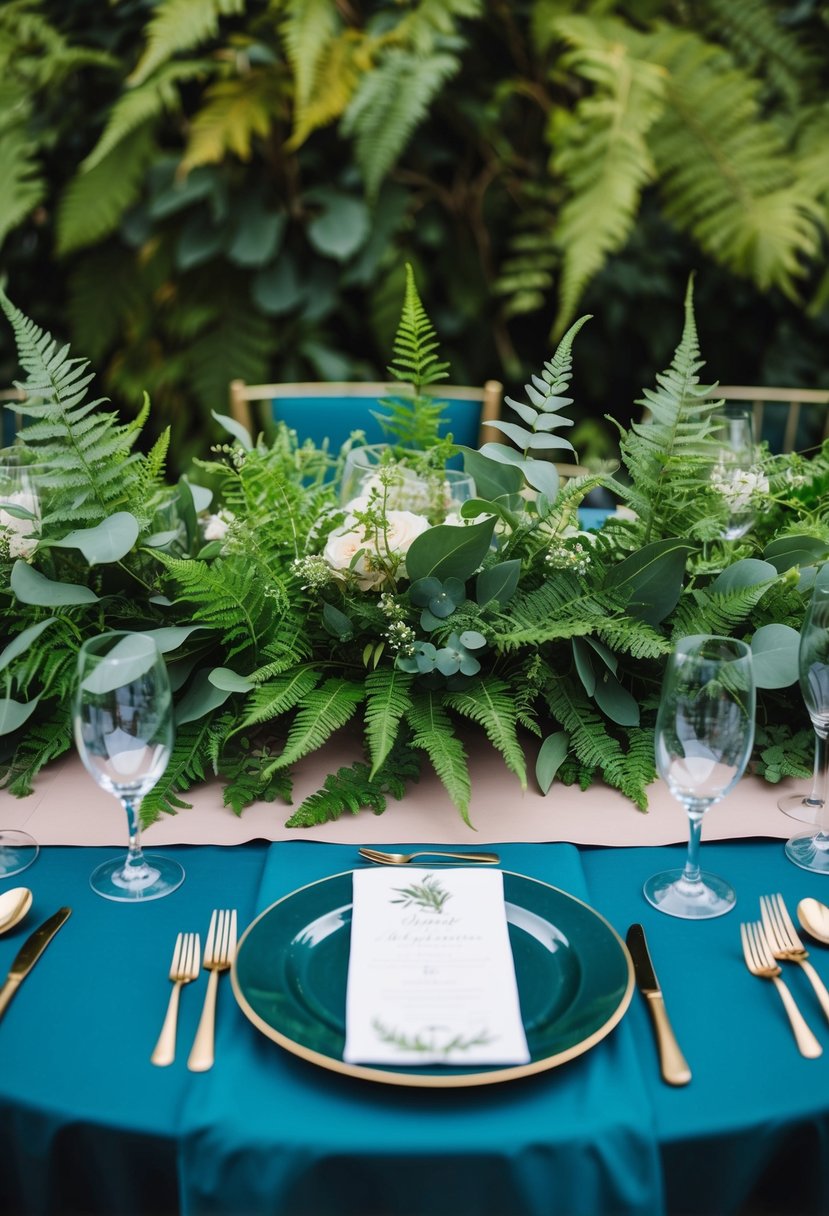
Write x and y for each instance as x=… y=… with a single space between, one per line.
x=431 y=978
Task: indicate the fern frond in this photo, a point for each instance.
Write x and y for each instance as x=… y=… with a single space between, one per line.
x=601 y=151
x=387 y=700
x=337 y=76
x=389 y=103
x=24 y=185
x=226 y=595
x=560 y=608
x=179 y=25
x=352 y=789
x=415 y=342
x=762 y=43
x=490 y=703
x=321 y=712
x=307 y=30
x=44 y=740
x=235 y=111
x=94 y=203
x=713 y=612
x=246 y=782
x=724 y=173
x=432 y=731
x=279 y=696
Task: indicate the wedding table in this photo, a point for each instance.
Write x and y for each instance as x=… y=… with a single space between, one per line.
x=88 y=1124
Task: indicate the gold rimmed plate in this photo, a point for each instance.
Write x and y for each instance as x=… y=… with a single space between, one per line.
x=573 y=971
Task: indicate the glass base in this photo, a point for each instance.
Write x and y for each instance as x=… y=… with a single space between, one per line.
x=810 y=851
x=801 y=807
x=17 y=851
x=159 y=876
x=672 y=893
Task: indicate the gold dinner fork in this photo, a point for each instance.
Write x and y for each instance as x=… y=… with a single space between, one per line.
x=219 y=949
x=760 y=961
x=183 y=969
x=785 y=943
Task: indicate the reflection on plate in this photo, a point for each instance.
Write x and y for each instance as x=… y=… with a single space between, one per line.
x=574 y=976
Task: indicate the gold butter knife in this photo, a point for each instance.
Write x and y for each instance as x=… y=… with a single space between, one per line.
x=672 y=1062
x=28 y=954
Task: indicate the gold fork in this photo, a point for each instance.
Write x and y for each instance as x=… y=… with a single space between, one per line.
x=219 y=949
x=760 y=961
x=183 y=969
x=785 y=943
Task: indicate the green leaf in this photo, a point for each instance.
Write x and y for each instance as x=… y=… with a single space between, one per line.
x=237 y=430
x=342 y=227
x=652 y=579
x=493 y=479
x=23 y=641
x=550 y=756
x=774 y=654
x=170 y=637
x=14 y=713
x=201 y=698
x=129 y=659
x=230 y=681
x=108 y=541
x=32 y=587
x=498 y=582
x=615 y=701
x=447 y=551
x=748 y=572
x=336 y=622
x=791 y=551
x=584 y=665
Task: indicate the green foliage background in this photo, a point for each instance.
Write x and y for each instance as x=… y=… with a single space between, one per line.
x=195 y=190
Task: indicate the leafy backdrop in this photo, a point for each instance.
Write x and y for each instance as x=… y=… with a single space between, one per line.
x=196 y=190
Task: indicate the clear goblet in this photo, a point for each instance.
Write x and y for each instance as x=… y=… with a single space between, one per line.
x=810 y=850
x=736 y=474
x=19 y=527
x=704 y=736
x=123 y=723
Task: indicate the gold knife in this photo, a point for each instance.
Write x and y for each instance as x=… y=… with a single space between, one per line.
x=672 y=1063
x=28 y=954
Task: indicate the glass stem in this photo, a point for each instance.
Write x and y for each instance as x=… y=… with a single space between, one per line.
x=691 y=873
x=135 y=866
x=820 y=788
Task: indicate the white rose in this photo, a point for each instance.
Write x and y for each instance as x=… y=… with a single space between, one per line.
x=379 y=546
x=216 y=526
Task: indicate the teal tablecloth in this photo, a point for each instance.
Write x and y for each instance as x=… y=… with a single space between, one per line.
x=87 y=1124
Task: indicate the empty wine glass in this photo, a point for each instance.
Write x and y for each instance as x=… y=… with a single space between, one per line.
x=704 y=736
x=736 y=475
x=123 y=723
x=810 y=850
x=19 y=528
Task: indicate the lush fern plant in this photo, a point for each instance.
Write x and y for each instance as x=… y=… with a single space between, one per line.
x=284 y=621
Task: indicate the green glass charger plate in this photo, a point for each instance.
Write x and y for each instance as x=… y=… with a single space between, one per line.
x=573 y=971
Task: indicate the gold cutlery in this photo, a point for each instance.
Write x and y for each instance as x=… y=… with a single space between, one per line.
x=184 y=968
x=402 y=859
x=29 y=953
x=219 y=949
x=814 y=918
x=785 y=944
x=14 y=905
x=672 y=1062
x=760 y=961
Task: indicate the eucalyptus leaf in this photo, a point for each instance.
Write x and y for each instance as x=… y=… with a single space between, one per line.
x=446 y=551
x=230 y=681
x=337 y=622
x=202 y=495
x=200 y=698
x=159 y=539
x=236 y=429
x=23 y=641
x=493 y=479
x=129 y=659
x=14 y=713
x=584 y=665
x=108 y=541
x=748 y=572
x=542 y=476
x=788 y=551
x=550 y=756
x=170 y=637
x=32 y=587
x=651 y=578
x=615 y=701
x=498 y=582
x=774 y=656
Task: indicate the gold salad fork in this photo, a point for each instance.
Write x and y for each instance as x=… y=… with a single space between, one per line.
x=403 y=859
x=219 y=949
x=183 y=969
x=760 y=961
x=785 y=943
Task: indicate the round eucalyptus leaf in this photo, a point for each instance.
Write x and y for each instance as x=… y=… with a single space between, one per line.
x=774 y=654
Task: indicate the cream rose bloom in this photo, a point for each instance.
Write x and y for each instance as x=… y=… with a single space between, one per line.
x=379 y=546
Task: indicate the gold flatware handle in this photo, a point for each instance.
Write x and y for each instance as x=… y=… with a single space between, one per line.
x=201 y=1053
x=165 y=1049
x=817 y=983
x=672 y=1063
x=807 y=1044
x=7 y=992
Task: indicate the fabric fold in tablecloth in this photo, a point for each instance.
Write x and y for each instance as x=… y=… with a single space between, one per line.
x=264 y=1131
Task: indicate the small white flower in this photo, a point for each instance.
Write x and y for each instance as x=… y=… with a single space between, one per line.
x=739 y=487
x=216 y=526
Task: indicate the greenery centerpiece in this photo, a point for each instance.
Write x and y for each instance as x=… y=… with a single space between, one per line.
x=285 y=615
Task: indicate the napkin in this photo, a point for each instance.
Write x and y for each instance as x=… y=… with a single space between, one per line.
x=431 y=978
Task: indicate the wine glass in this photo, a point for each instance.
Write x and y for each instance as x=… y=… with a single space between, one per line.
x=704 y=736
x=123 y=722
x=19 y=527
x=736 y=475
x=810 y=850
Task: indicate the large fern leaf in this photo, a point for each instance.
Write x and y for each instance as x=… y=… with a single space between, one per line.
x=24 y=185
x=433 y=732
x=179 y=25
x=94 y=203
x=226 y=595
x=321 y=712
x=490 y=703
x=307 y=30
x=235 y=112
x=388 y=697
